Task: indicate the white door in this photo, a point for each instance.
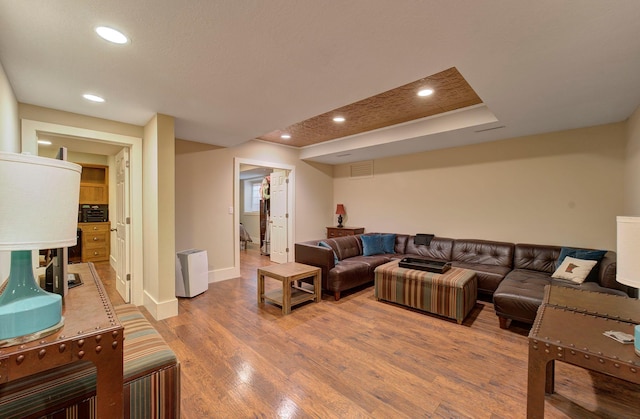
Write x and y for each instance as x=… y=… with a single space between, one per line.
x=123 y=253
x=279 y=217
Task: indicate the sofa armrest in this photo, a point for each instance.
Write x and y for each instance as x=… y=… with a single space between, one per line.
x=310 y=253
x=607 y=275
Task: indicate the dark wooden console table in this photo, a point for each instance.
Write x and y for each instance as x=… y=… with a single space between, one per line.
x=343 y=231
x=568 y=328
x=91 y=332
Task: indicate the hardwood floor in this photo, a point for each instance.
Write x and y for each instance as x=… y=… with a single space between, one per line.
x=360 y=358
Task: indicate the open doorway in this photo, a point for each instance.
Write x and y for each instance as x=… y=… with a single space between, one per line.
x=265 y=221
x=96 y=141
x=104 y=204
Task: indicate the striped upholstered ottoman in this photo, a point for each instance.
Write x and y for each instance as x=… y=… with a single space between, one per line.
x=151 y=380
x=452 y=294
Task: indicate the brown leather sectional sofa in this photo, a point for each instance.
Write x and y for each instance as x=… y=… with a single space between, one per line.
x=513 y=275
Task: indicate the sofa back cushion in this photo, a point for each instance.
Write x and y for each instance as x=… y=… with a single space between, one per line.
x=346 y=246
x=483 y=252
x=439 y=248
x=401 y=243
x=536 y=257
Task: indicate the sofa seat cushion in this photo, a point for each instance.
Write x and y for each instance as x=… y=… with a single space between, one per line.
x=488 y=276
x=348 y=274
x=520 y=294
x=372 y=261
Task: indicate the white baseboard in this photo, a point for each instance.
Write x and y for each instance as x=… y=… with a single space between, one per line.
x=161 y=310
x=223 y=274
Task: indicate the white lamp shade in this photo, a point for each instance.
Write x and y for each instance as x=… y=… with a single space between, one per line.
x=628 y=263
x=38 y=202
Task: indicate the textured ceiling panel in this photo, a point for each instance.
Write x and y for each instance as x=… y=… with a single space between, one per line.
x=451 y=91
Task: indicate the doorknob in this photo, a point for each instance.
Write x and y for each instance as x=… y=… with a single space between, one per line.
x=114 y=229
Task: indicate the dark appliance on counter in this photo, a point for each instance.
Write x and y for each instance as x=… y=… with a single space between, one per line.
x=93 y=213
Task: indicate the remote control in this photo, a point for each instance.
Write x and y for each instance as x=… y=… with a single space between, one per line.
x=619 y=336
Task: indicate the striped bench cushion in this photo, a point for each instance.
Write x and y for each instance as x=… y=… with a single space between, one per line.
x=452 y=294
x=151 y=380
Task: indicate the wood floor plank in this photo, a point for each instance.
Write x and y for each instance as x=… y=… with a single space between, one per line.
x=360 y=358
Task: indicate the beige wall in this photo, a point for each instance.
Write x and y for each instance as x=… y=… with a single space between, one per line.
x=632 y=168
x=205 y=191
x=38 y=113
x=562 y=188
x=76 y=157
x=9 y=141
x=159 y=217
x=9 y=122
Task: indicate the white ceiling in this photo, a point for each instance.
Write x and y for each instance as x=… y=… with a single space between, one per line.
x=229 y=71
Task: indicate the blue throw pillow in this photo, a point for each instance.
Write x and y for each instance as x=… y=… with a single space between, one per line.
x=389 y=243
x=335 y=257
x=583 y=254
x=372 y=244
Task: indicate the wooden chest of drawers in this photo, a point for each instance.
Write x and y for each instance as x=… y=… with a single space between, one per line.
x=96 y=246
x=343 y=231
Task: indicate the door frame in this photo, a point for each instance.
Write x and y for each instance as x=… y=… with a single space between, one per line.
x=236 y=205
x=29 y=143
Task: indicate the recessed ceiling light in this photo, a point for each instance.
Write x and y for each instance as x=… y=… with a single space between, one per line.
x=93 y=98
x=111 y=35
x=338 y=119
x=425 y=92
x=285 y=136
x=44 y=142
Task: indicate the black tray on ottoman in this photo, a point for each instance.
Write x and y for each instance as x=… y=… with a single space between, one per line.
x=425 y=265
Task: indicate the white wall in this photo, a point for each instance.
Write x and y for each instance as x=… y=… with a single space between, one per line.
x=205 y=191
x=632 y=167
x=562 y=188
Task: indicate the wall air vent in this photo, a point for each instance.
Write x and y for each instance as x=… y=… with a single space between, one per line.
x=363 y=169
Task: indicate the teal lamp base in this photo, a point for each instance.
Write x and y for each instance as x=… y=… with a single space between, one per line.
x=27 y=312
x=636 y=333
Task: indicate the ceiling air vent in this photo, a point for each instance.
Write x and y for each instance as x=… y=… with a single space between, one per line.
x=491 y=129
x=361 y=169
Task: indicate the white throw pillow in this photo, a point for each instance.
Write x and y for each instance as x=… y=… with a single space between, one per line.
x=573 y=269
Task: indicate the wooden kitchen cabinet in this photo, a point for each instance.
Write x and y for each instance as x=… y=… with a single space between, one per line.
x=96 y=243
x=94 y=184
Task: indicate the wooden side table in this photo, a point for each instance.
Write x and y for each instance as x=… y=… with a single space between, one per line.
x=91 y=332
x=568 y=328
x=343 y=231
x=289 y=295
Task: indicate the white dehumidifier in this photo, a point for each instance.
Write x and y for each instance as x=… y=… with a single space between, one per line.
x=192 y=273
